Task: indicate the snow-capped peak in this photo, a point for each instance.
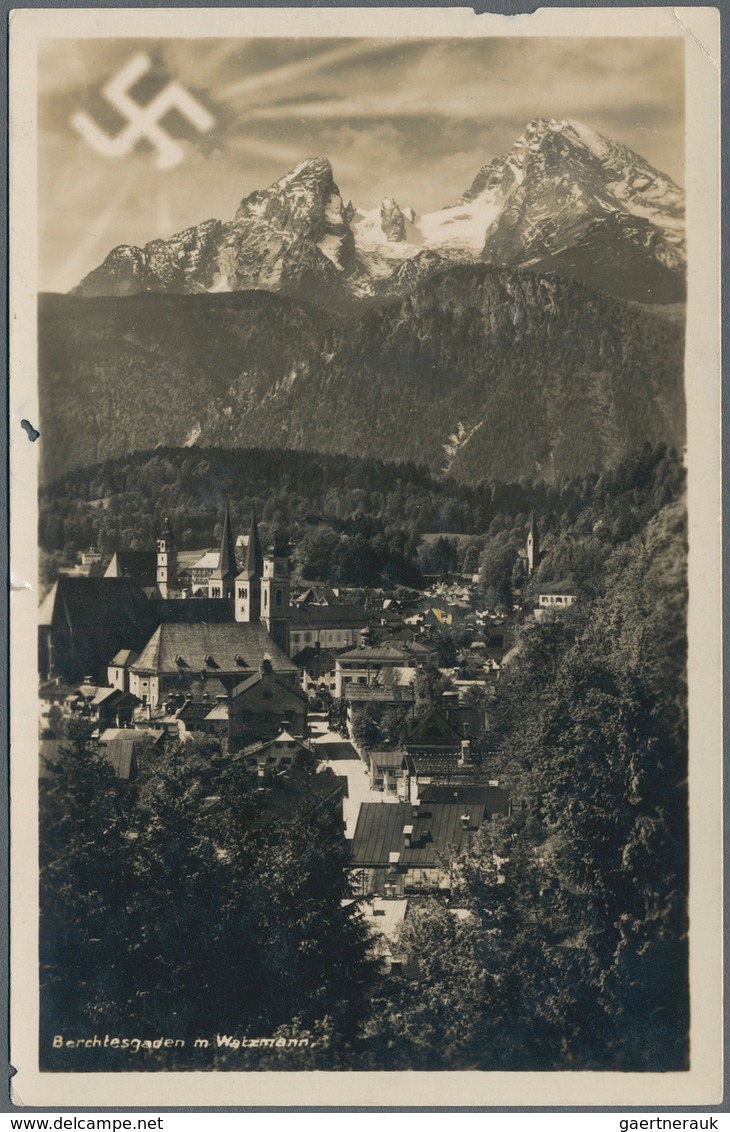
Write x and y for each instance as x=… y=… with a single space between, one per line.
x=312 y=168
x=562 y=198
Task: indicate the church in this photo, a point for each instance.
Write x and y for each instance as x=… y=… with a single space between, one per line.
x=259 y=593
x=85 y=622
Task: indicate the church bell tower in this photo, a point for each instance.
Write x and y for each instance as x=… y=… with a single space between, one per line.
x=275 y=593
x=166 y=561
x=247 y=604
x=533 y=546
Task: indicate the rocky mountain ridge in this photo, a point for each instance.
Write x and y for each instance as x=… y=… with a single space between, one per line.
x=563 y=200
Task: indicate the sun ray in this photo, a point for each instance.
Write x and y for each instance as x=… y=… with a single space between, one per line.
x=256 y=147
x=329 y=109
x=292 y=71
x=288 y=158
x=165 y=222
x=67 y=274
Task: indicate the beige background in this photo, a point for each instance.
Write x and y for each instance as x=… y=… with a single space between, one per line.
x=699 y=29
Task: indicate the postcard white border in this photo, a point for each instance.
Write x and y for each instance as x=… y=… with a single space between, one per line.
x=702 y=1084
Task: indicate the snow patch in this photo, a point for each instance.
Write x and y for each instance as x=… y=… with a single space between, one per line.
x=457 y=440
x=463 y=227
x=331 y=246
x=378 y=255
x=333 y=210
x=592 y=141
x=221 y=284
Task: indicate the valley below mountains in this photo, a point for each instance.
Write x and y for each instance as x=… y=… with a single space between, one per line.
x=481 y=372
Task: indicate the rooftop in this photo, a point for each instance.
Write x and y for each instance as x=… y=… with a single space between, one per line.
x=209 y=561
x=414 y=652
x=494 y=798
x=232 y=647
x=439 y=831
x=314 y=616
x=387 y=758
x=127 y=735
x=140 y=565
x=377 y=693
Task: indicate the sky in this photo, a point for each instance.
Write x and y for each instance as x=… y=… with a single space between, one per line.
x=413 y=119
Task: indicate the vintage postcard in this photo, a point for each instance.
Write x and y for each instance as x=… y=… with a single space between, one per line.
x=365 y=542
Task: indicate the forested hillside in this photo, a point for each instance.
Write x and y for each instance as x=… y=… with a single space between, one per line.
x=353 y=520
x=575 y=953
x=487 y=373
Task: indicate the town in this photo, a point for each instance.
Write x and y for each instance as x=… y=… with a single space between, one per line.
x=329 y=697
x=386 y=817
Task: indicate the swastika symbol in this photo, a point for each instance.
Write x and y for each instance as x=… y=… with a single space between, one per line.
x=143 y=121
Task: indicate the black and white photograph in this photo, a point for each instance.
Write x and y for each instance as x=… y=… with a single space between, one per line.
x=364 y=400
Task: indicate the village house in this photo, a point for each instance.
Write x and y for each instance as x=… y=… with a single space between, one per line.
x=405 y=848
x=318 y=669
x=318 y=595
x=123 y=757
x=437 y=747
x=111 y=707
x=386 y=769
x=90 y=557
x=554 y=598
x=491 y=795
x=281 y=752
x=125 y=747
x=53 y=703
x=331 y=626
x=203 y=718
x=263 y=702
x=421 y=770
x=446 y=730
x=201 y=571
x=392 y=688
x=363 y=665
x=285 y=794
x=280 y=796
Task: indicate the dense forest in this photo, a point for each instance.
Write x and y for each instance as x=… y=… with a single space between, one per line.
x=483 y=372
x=575 y=954
x=352 y=520
x=571 y=948
x=167 y=905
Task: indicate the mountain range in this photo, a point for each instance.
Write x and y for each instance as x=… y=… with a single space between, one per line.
x=563 y=200
x=484 y=372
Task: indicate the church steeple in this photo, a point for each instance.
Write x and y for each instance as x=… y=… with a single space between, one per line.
x=227 y=560
x=248 y=582
x=275 y=611
x=166 y=561
x=533 y=545
x=223 y=577
x=254 y=557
